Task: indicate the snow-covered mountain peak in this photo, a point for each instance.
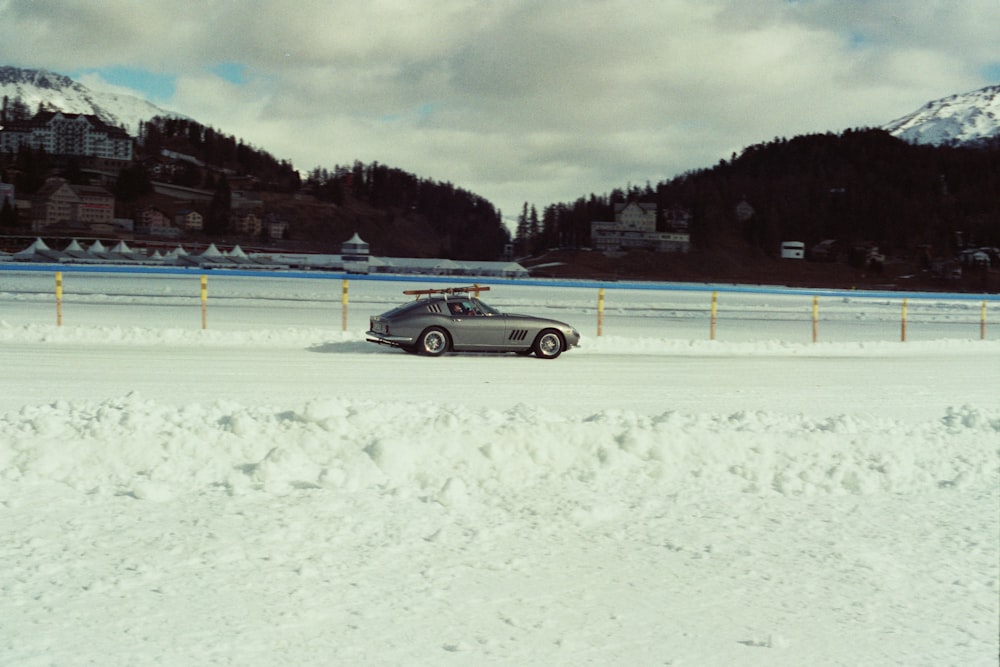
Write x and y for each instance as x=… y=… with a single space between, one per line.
x=963 y=119
x=35 y=87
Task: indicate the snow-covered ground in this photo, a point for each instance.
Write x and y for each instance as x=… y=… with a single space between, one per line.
x=273 y=490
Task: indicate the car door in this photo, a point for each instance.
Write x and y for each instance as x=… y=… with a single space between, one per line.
x=473 y=329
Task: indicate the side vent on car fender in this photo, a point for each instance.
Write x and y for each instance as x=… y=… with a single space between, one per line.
x=434 y=308
x=518 y=334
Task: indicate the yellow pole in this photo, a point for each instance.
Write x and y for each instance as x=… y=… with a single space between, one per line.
x=715 y=310
x=476 y=290
x=902 y=333
x=343 y=306
x=815 y=318
x=982 y=321
x=600 y=311
x=204 y=302
x=59 y=290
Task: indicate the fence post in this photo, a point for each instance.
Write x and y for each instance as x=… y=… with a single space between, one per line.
x=815 y=318
x=715 y=309
x=343 y=306
x=902 y=331
x=204 y=302
x=600 y=310
x=59 y=292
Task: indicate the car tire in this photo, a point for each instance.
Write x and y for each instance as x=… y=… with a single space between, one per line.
x=433 y=342
x=549 y=344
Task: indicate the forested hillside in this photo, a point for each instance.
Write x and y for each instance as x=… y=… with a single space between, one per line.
x=857 y=186
x=216 y=149
x=395 y=211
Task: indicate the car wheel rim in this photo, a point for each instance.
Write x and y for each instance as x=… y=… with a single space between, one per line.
x=549 y=344
x=434 y=342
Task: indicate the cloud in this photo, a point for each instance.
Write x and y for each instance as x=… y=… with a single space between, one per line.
x=522 y=100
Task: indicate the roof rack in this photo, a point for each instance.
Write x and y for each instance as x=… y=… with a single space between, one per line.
x=446 y=290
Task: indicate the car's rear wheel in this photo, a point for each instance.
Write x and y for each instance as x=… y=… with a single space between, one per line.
x=549 y=344
x=433 y=342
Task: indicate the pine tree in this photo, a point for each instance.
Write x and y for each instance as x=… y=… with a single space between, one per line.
x=522 y=235
x=8 y=217
x=132 y=183
x=217 y=220
x=534 y=230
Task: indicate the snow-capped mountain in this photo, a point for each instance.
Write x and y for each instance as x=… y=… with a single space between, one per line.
x=60 y=92
x=961 y=119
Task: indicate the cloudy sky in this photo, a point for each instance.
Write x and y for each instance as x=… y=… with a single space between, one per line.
x=517 y=100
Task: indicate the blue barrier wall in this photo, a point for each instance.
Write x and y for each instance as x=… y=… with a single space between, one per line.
x=488 y=280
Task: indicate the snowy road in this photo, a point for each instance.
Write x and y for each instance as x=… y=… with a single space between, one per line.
x=911 y=382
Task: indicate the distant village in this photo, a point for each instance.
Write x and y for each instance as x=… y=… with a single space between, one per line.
x=61 y=209
x=65 y=209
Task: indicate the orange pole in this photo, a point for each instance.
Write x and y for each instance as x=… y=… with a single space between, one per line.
x=815 y=318
x=204 y=302
x=600 y=311
x=715 y=310
x=343 y=306
x=59 y=294
x=902 y=332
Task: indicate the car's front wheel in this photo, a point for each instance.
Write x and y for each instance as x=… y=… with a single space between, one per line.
x=433 y=342
x=549 y=344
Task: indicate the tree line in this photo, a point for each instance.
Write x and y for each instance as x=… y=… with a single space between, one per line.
x=212 y=147
x=860 y=185
x=466 y=225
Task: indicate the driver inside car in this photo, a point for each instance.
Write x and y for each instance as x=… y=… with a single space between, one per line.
x=460 y=308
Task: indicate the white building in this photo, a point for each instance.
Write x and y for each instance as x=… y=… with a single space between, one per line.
x=634 y=228
x=59 y=133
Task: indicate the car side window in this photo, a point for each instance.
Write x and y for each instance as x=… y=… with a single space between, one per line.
x=468 y=308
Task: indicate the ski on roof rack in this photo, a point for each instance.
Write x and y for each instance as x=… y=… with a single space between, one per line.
x=446 y=290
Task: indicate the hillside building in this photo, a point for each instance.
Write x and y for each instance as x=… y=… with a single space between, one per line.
x=275 y=228
x=155 y=222
x=635 y=228
x=189 y=220
x=67 y=134
x=247 y=224
x=58 y=202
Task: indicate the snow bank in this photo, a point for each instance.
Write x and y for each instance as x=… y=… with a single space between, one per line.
x=154 y=451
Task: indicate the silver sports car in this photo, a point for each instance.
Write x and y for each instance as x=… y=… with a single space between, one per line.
x=439 y=320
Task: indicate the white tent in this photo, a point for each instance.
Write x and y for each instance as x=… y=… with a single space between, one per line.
x=212 y=252
x=122 y=249
x=77 y=251
x=38 y=251
x=28 y=252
